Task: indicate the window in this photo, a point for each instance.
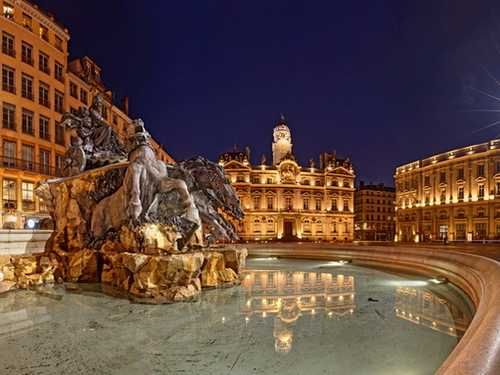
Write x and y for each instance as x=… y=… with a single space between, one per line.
x=8 y=44
x=442 y=177
x=27 y=121
x=442 y=197
x=460 y=193
x=59 y=164
x=256 y=203
x=83 y=96
x=270 y=203
x=27 y=53
x=43 y=62
x=288 y=203
x=27 y=86
x=59 y=43
x=460 y=231
x=9 y=116
x=498 y=188
x=8 y=11
x=460 y=174
x=346 y=205
x=44 y=128
x=9 y=154
x=115 y=119
x=269 y=180
x=73 y=90
x=480 y=231
x=59 y=101
x=27 y=196
x=59 y=71
x=480 y=170
x=318 y=204
x=27 y=157
x=427 y=180
x=60 y=134
x=497 y=166
x=480 y=194
x=27 y=22
x=306 y=203
x=427 y=199
x=9 y=194
x=8 y=80
x=334 y=204
x=43 y=95
x=44 y=161
x=44 y=33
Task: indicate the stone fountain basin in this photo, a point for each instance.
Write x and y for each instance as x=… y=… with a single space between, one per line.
x=478 y=352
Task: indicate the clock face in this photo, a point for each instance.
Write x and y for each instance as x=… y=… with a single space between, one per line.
x=282 y=134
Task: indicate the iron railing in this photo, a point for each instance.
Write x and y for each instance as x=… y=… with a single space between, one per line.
x=29 y=166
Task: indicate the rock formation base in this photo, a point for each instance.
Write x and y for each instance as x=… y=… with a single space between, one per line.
x=141 y=277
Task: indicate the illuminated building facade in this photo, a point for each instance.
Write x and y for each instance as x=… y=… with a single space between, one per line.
x=374 y=213
x=287 y=201
x=450 y=196
x=38 y=86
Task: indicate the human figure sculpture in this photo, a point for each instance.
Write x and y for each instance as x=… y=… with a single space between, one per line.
x=100 y=143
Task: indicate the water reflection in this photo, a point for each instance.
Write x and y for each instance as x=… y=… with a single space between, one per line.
x=286 y=296
x=423 y=307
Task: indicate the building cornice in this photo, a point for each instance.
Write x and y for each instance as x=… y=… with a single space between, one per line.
x=38 y=14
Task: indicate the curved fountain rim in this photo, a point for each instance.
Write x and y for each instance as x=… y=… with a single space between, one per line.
x=478 y=352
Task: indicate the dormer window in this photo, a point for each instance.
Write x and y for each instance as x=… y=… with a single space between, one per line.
x=27 y=22
x=8 y=11
x=44 y=33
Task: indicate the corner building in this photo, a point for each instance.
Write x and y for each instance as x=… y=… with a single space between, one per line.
x=452 y=196
x=374 y=209
x=286 y=201
x=38 y=86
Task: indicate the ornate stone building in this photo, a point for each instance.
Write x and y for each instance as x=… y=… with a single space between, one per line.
x=287 y=201
x=374 y=208
x=38 y=85
x=454 y=195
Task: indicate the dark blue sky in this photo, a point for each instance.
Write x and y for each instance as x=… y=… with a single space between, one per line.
x=383 y=82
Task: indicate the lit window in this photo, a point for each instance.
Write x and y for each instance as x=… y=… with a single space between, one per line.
x=44 y=33
x=8 y=11
x=9 y=194
x=480 y=193
x=27 y=196
x=27 y=22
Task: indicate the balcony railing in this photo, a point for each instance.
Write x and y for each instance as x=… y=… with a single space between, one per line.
x=30 y=166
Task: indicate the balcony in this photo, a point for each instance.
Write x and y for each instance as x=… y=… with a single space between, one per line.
x=29 y=166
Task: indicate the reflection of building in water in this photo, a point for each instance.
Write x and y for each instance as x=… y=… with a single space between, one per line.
x=287 y=296
x=420 y=306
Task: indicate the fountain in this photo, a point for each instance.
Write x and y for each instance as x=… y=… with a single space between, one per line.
x=139 y=226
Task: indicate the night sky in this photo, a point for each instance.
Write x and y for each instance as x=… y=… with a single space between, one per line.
x=382 y=82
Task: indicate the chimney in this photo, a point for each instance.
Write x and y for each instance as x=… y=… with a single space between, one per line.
x=125 y=105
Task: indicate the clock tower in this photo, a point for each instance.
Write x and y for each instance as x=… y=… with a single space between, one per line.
x=282 y=141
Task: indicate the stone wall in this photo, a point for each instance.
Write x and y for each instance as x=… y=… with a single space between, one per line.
x=23 y=241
